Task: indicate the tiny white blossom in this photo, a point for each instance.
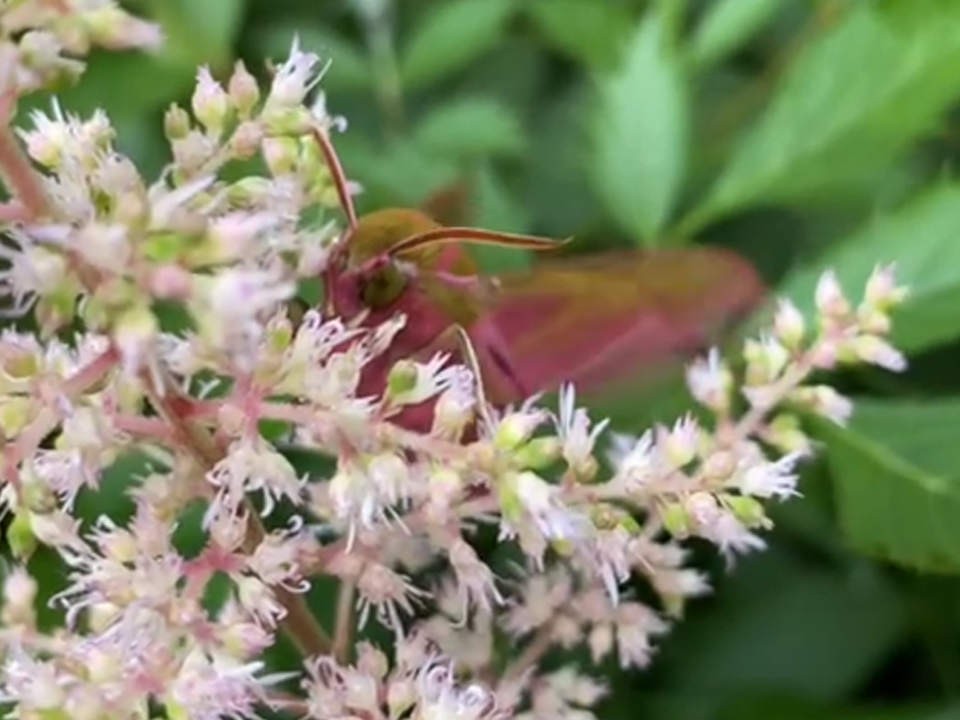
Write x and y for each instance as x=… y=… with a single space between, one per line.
x=295 y=78
x=578 y=438
x=771 y=479
x=831 y=302
x=710 y=381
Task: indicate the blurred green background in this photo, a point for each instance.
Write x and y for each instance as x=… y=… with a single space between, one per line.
x=805 y=134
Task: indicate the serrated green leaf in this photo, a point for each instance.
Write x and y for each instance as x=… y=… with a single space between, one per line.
x=471 y=127
x=727 y=25
x=349 y=68
x=591 y=32
x=449 y=37
x=850 y=103
x=898 y=492
x=640 y=133
x=921 y=237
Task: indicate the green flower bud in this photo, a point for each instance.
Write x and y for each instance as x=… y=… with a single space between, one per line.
x=280 y=154
x=516 y=429
x=210 y=102
x=511 y=507
x=176 y=122
x=675 y=519
x=747 y=510
x=538 y=453
x=243 y=90
x=20 y=538
x=402 y=378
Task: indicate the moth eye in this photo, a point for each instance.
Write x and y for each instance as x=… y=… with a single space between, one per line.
x=382 y=287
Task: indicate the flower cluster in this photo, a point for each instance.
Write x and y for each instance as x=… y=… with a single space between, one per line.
x=218 y=406
x=41 y=41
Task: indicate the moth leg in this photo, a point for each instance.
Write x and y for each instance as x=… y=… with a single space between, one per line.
x=485 y=351
x=492 y=347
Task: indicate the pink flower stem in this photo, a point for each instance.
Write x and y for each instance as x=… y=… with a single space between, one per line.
x=299 y=622
x=307 y=415
x=19 y=175
x=91 y=373
x=531 y=655
x=47 y=420
x=343 y=630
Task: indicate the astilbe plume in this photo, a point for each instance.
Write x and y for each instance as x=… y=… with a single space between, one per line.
x=586 y=514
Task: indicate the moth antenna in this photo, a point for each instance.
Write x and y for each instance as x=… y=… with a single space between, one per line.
x=473 y=236
x=339 y=177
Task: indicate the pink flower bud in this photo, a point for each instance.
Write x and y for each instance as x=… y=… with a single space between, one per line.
x=830 y=299
x=882 y=291
x=877 y=351
x=243 y=89
x=789 y=325
x=176 y=122
x=210 y=102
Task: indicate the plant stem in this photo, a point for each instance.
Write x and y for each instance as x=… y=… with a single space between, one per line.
x=343 y=632
x=15 y=168
x=299 y=622
x=536 y=649
x=307 y=415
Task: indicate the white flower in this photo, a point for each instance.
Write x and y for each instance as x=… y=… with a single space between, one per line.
x=474 y=580
x=456 y=404
x=31 y=271
x=233 y=311
x=210 y=101
x=295 y=78
x=831 y=302
x=211 y=687
x=877 y=351
x=573 y=425
x=788 y=324
x=718 y=525
x=253 y=466
x=636 y=461
x=542 y=503
x=770 y=479
x=882 y=291
x=678 y=445
x=387 y=593
x=636 y=626
x=440 y=698
x=710 y=381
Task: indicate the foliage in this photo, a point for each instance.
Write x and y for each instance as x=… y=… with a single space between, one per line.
x=805 y=134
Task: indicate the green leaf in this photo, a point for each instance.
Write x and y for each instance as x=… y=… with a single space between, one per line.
x=349 y=69
x=921 y=237
x=111 y=497
x=497 y=209
x=450 y=37
x=471 y=127
x=400 y=173
x=792 y=708
x=640 y=133
x=850 y=103
x=898 y=492
x=727 y=25
x=780 y=623
x=591 y=32
x=201 y=32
